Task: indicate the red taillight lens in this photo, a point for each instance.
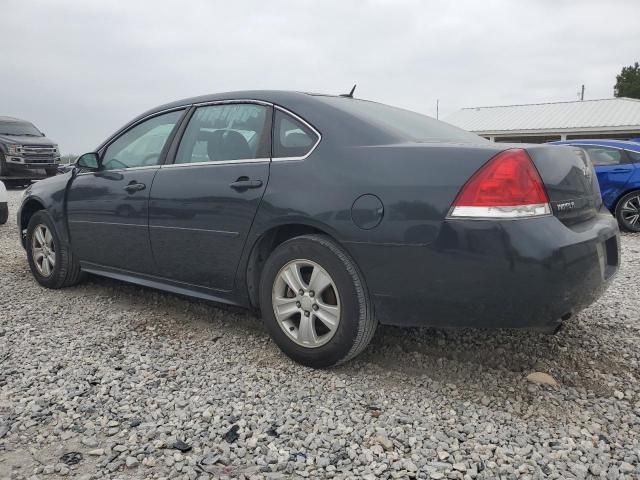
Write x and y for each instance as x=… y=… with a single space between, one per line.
x=508 y=186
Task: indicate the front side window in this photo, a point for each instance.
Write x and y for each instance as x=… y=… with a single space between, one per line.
x=291 y=137
x=142 y=145
x=225 y=132
x=603 y=155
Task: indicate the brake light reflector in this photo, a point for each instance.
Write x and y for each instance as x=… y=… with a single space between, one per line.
x=507 y=186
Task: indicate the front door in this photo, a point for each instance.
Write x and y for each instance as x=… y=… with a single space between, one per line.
x=202 y=206
x=108 y=209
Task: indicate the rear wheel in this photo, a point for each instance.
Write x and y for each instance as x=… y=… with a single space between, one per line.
x=628 y=212
x=314 y=302
x=52 y=263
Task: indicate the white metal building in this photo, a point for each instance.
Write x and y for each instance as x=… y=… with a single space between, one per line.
x=543 y=122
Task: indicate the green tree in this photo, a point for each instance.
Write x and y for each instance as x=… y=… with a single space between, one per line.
x=628 y=82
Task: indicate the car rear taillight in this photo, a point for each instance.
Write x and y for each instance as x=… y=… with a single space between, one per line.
x=507 y=186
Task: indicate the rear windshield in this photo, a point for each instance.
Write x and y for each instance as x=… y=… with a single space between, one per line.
x=19 y=128
x=406 y=124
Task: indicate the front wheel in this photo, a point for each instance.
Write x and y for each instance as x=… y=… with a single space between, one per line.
x=314 y=302
x=51 y=171
x=628 y=212
x=52 y=263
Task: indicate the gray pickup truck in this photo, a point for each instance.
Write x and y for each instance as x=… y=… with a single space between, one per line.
x=24 y=150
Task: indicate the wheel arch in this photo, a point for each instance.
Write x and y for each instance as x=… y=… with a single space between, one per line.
x=27 y=211
x=266 y=243
x=635 y=188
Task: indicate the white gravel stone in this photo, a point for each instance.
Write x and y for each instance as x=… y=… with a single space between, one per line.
x=542 y=378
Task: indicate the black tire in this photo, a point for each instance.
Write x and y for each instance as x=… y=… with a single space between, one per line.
x=4 y=213
x=624 y=223
x=356 y=324
x=66 y=271
x=4 y=168
x=51 y=171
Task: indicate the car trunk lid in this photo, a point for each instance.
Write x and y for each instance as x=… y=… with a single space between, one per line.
x=570 y=181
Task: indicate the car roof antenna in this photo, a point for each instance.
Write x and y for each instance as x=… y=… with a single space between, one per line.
x=350 y=94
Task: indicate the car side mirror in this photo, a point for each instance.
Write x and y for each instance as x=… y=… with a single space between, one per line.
x=89 y=161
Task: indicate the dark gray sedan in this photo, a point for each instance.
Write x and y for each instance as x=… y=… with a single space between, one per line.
x=330 y=215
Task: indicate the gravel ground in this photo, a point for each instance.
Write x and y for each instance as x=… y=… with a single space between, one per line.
x=108 y=380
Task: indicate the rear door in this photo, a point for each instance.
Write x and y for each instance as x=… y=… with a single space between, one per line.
x=613 y=169
x=202 y=204
x=108 y=209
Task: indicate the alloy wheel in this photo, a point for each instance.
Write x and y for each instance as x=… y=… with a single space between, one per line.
x=306 y=303
x=631 y=212
x=43 y=250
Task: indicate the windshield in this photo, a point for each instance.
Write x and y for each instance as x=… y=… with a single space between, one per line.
x=19 y=128
x=409 y=125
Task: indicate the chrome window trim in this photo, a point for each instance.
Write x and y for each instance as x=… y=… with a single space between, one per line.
x=223 y=102
x=591 y=145
x=221 y=162
x=146 y=167
x=308 y=125
x=185 y=107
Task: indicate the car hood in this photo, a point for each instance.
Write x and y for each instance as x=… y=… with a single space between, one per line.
x=26 y=140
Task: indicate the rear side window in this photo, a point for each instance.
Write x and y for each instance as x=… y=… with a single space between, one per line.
x=218 y=133
x=603 y=155
x=291 y=137
x=635 y=156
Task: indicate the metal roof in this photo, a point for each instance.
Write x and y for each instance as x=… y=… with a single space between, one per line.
x=606 y=114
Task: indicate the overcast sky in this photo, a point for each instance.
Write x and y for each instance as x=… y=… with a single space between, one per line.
x=80 y=69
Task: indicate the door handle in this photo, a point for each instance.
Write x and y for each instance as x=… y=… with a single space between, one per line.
x=243 y=183
x=619 y=170
x=135 y=187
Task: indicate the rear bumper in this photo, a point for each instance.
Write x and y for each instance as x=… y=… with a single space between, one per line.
x=493 y=274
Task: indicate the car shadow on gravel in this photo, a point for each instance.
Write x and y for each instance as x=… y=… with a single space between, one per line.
x=453 y=356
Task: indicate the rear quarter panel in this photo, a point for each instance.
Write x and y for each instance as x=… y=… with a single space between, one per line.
x=416 y=184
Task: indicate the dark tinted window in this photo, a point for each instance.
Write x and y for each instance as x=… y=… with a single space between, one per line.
x=603 y=155
x=224 y=132
x=292 y=138
x=19 y=128
x=634 y=156
x=141 y=145
x=405 y=124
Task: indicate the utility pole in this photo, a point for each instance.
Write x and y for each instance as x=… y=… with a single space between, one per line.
x=582 y=94
x=437 y=108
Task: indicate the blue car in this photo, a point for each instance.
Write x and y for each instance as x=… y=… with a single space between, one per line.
x=617 y=165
